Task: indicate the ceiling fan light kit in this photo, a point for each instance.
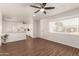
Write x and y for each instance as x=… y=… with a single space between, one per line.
x=42 y=9
x=34 y=15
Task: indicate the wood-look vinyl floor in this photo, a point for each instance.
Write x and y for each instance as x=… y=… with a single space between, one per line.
x=37 y=47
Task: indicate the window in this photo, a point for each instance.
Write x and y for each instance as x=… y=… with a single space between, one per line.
x=70 y=25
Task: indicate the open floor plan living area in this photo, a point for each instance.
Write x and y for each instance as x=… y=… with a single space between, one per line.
x=39 y=29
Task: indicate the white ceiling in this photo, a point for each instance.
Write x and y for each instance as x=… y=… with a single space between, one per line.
x=59 y=8
x=23 y=9
x=14 y=9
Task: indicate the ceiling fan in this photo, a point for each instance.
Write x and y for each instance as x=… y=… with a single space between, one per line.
x=42 y=8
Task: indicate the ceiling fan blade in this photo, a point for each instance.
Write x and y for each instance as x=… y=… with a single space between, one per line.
x=49 y=8
x=36 y=11
x=35 y=6
x=44 y=12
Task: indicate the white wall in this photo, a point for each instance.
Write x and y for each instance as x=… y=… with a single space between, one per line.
x=36 y=28
x=67 y=39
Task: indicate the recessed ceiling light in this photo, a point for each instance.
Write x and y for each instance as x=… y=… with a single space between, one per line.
x=34 y=15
